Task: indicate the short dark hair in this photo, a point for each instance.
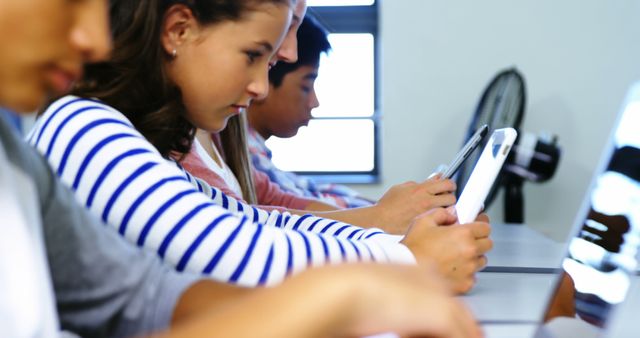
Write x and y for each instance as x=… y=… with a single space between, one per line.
x=312 y=41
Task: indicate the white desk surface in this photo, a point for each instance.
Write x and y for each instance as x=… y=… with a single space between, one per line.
x=514 y=298
x=517 y=232
x=509 y=298
x=510 y=305
x=625 y=317
x=518 y=248
x=490 y=331
x=509 y=330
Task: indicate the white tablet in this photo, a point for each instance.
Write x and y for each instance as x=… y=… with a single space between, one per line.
x=484 y=174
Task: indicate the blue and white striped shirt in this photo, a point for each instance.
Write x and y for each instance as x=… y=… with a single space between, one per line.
x=151 y=201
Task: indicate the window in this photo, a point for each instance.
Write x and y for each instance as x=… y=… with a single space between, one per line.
x=322 y=3
x=340 y=143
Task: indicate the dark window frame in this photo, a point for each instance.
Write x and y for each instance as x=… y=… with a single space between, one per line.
x=353 y=19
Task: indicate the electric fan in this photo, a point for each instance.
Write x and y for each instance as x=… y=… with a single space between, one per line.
x=533 y=158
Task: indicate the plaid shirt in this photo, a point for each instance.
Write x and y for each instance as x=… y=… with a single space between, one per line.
x=336 y=194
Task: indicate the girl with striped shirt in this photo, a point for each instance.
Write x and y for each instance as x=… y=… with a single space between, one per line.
x=195 y=64
x=221 y=158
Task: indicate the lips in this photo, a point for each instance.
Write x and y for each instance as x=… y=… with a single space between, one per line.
x=303 y=123
x=237 y=108
x=60 y=80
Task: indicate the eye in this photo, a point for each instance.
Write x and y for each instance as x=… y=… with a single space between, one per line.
x=306 y=89
x=252 y=56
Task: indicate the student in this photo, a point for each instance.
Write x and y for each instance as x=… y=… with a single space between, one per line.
x=222 y=159
x=50 y=245
x=124 y=180
x=287 y=108
x=127 y=181
x=205 y=161
x=104 y=287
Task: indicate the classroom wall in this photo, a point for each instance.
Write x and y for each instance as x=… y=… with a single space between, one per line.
x=578 y=58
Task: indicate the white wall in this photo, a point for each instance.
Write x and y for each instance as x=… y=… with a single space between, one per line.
x=578 y=58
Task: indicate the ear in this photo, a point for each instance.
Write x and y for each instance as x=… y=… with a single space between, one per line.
x=178 y=27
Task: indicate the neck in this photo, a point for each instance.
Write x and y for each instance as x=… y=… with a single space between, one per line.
x=254 y=122
x=204 y=138
x=265 y=135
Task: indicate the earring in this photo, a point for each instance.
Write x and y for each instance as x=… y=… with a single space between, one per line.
x=174 y=53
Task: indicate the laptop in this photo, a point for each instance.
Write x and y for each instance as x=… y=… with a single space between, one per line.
x=601 y=258
x=600 y=262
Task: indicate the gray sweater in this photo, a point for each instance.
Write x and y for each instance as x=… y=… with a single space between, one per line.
x=103 y=286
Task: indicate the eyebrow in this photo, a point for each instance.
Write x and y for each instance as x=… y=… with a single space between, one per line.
x=310 y=76
x=265 y=45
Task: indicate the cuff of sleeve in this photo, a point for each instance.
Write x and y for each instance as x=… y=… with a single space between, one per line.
x=396 y=251
x=399 y=253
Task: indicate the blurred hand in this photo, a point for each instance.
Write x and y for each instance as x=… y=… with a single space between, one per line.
x=344 y=300
x=404 y=202
x=405 y=300
x=457 y=250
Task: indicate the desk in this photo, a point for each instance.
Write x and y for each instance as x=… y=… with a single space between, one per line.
x=509 y=330
x=511 y=305
x=624 y=322
x=511 y=294
x=512 y=291
x=518 y=248
x=507 y=305
x=518 y=298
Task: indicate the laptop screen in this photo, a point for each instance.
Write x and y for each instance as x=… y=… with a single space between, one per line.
x=601 y=256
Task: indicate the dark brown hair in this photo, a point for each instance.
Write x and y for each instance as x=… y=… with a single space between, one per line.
x=133 y=80
x=233 y=140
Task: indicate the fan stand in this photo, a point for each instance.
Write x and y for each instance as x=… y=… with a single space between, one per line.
x=513 y=198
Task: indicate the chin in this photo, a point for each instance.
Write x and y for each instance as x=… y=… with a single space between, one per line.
x=288 y=134
x=215 y=129
x=213 y=126
x=218 y=127
x=24 y=105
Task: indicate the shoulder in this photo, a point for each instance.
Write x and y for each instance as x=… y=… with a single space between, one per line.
x=73 y=106
x=73 y=115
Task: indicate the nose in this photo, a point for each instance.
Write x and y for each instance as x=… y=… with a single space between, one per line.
x=288 y=51
x=313 y=99
x=258 y=88
x=90 y=33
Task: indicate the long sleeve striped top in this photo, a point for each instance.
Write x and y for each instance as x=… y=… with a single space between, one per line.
x=154 y=203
